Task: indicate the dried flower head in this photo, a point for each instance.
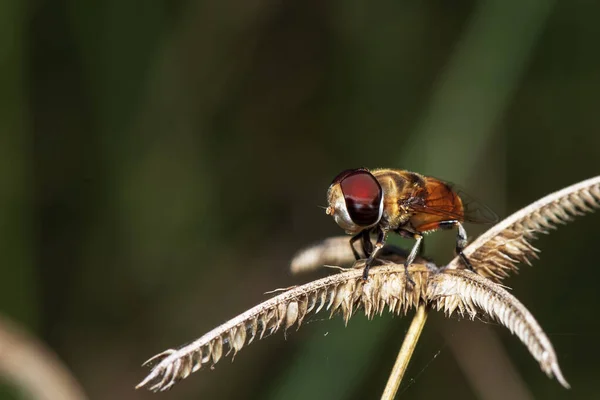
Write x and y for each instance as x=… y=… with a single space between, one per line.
x=451 y=289
x=463 y=292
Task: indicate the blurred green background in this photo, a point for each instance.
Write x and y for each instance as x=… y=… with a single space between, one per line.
x=161 y=161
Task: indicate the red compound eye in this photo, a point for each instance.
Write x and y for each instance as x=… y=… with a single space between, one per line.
x=362 y=194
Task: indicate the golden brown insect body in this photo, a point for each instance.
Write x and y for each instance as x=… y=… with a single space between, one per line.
x=410 y=204
x=416 y=202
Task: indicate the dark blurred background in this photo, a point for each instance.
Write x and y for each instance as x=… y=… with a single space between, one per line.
x=161 y=161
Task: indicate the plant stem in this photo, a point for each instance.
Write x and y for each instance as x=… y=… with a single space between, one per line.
x=406 y=351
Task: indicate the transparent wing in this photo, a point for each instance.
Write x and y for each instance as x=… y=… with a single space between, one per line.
x=475 y=211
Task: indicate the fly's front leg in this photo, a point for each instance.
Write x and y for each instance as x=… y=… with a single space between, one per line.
x=352 y=240
x=381 y=238
x=461 y=240
x=367 y=246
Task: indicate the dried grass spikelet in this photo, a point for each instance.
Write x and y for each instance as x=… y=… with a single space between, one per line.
x=468 y=293
x=344 y=293
x=497 y=252
x=340 y=293
x=331 y=251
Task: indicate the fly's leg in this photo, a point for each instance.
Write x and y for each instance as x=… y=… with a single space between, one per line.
x=422 y=249
x=461 y=243
x=381 y=238
x=367 y=246
x=352 y=240
x=461 y=240
x=413 y=253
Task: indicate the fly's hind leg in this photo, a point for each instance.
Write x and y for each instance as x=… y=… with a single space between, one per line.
x=461 y=240
x=461 y=243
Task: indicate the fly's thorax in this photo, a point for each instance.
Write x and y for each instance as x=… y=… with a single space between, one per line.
x=397 y=186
